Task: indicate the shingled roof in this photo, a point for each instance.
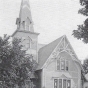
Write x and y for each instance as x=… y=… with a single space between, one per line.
x=46 y=51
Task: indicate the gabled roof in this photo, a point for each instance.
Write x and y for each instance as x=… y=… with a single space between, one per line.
x=40 y=46
x=46 y=51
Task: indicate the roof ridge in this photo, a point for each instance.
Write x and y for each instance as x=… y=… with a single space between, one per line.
x=45 y=51
x=52 y=42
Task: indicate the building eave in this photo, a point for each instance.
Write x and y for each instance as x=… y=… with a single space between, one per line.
x=24 y=32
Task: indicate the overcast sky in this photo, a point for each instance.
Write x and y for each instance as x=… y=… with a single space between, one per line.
x=52 y=19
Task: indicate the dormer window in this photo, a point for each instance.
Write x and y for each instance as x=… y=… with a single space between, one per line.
x=62 y=64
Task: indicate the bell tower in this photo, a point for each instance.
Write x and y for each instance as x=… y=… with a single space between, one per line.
x=25 y=30
x=24 y=22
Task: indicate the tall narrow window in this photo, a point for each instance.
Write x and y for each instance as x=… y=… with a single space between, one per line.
x=64 y=83
x=66 y=65
x=29 y=43
x=68 y=83
x=55 y=83
x=62 y=65
x=60 y=83
x=58 y=64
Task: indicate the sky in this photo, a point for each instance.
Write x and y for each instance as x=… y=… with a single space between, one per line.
x=52 y=19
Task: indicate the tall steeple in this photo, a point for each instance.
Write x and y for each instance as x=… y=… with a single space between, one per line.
x=25 y=30
x=24 y=22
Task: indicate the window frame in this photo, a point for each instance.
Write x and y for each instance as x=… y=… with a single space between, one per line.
x=28 y=44
x=55 y=83
x=65 y=67
x=62 y=82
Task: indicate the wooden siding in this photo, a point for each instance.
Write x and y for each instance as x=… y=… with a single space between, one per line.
x=50 y=72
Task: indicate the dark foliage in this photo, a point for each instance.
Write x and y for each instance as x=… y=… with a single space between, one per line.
x=82 y=31
x=15 y=66
x=85 y=66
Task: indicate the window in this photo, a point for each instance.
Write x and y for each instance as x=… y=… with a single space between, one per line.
x=28 y=24
x=58 y=64
x=68 y=84
x=66 y=65
x=28 y=44
x=55 y=83
x=62 y=83
x=62 y=64
x=25 y=25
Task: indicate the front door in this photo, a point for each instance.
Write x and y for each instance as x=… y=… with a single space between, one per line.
x=62 y=83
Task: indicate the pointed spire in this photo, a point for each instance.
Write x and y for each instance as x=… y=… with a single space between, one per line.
x=24 y=22
x=25 y=2
x=25 y=10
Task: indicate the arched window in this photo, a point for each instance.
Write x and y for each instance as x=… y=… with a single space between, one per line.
x=26 y=42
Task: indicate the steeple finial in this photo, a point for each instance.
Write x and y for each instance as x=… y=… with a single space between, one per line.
x=24 y=3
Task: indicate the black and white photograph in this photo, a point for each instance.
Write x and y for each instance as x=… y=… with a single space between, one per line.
x=43 y=43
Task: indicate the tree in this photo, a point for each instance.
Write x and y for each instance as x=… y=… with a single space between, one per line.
x=15 y=65
x=84 y=71
x=85 y=66
x=82 y=31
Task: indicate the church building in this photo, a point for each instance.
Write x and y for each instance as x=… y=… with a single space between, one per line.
x=58 y=65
